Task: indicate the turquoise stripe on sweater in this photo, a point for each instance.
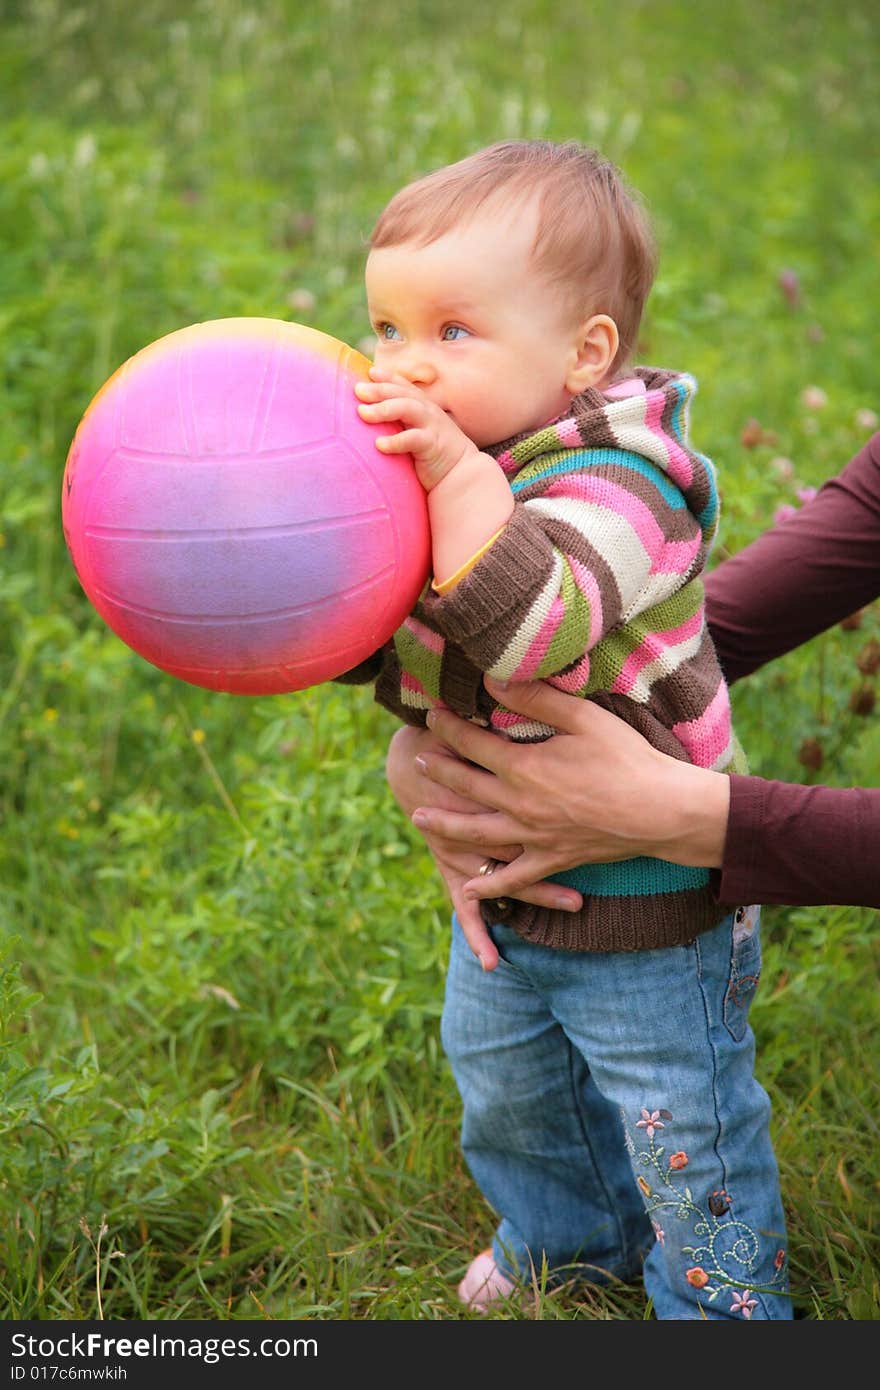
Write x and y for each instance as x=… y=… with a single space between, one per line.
x=632 y=878
x=578 y=460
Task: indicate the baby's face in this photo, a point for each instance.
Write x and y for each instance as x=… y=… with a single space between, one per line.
x=469 y=320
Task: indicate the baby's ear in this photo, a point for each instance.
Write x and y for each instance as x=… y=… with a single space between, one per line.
x=595 y=350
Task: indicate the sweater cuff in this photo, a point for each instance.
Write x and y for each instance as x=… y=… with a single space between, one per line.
x=510 y=573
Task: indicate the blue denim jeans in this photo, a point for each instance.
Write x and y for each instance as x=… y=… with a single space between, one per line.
x=613 y=1121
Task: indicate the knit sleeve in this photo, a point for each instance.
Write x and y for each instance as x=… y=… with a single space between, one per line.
x=584 y=551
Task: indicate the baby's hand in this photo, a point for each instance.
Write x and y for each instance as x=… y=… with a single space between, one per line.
x=429 y=434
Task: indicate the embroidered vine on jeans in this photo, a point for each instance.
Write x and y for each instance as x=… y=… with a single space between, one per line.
x=725 y=1240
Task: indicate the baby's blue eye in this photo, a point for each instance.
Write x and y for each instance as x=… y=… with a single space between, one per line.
x=452 y=332
x=386 y=332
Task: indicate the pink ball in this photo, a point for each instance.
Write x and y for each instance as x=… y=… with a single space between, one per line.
x=228 y=513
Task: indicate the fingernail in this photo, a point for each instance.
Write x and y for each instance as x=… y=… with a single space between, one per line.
x=431 y=718
x=483 y=962
x=469 y=895
x=420 y=763
x=419 y=819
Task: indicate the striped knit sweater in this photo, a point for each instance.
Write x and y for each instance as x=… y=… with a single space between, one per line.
x=594 y=586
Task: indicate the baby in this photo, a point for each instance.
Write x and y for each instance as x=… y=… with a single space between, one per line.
x=611 y=1114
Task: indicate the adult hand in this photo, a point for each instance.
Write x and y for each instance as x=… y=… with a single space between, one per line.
x=594 y=793
x=457 y=861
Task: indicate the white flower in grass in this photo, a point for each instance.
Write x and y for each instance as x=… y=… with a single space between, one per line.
x=302 y=300
x=782 y=467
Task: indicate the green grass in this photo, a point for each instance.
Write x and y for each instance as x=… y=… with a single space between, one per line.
x=223 y=947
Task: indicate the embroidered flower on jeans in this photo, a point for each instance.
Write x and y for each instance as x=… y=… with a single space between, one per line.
x=649 y=1122
x=679 y=1160
x=779 y=1261
x=643 y=1186
x=659 y=1232
x=744 y=1303
x=698 y=1278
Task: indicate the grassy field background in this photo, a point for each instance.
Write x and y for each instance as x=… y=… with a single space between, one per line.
x=222 y=947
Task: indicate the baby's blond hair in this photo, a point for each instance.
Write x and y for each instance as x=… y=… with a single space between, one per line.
x=594 y=240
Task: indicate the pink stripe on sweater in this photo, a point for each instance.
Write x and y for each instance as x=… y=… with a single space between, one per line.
x=409 y=682
x=574 y=680
x=676 y=557
x=633 y=386
x=678 y=465
x=667 y=557
x=505 y=719
x=654 y=645
x=432 y=640
x=537 y=648
x=568 y=431
x=706 y=738
x=586 y=582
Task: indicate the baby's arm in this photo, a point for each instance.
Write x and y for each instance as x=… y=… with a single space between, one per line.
x=469 y=499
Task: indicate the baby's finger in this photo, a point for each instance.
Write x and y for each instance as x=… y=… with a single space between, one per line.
x=380 y=374
x=393 y=408
x=389 y=393
x=405 y=442
x=368 y=390
x=381 y=390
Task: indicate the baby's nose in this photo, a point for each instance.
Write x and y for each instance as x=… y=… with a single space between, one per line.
x=418 y=367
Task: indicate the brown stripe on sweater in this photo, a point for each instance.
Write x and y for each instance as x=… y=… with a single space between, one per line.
x=613 y=923
x=592 y=424
x=460 y=682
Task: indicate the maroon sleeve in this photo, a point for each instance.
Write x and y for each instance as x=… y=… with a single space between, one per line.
x=787 y=843
x=801 y=845
x=804 y=575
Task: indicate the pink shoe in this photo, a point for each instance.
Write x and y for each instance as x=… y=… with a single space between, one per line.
x=484 y=1285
